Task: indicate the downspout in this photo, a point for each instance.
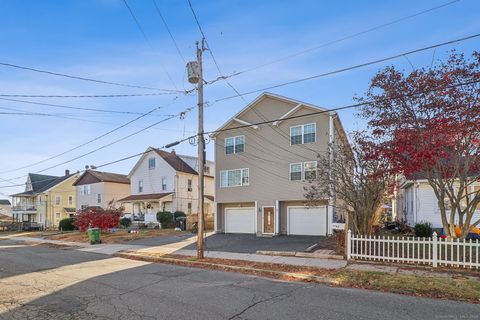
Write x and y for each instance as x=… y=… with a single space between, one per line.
x=331 y=196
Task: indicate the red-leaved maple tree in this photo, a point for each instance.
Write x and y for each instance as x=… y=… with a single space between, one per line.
x=427 y=123
x=97 y=218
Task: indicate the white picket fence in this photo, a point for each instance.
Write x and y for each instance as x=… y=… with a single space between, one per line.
x=429 y=251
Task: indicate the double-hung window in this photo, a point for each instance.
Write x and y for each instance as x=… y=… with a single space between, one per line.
x=57 y=200
x=234 y=144
x=310 y=170
x=140 y=185
x=99 y=198
x=151 y=163
x=234 y=178
x=164 y=183
x=70 y=200
x=303 y=134
x=296 y=171
x=303 y=171
x=189 y=185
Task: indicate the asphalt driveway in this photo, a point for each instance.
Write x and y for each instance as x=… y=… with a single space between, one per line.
x=249 y=243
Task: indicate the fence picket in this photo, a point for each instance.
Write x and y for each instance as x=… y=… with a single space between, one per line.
x=420 y=250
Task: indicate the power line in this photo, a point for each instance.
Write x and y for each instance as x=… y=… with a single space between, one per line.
x=326 y=44
x=87 y=96
x=84 y=78
x=259 y=123
x=83 y=144
x=109 y=144
x=353 y=67
x=139 y=26
x=71 y=107
x=356 y=105
x=169 y=31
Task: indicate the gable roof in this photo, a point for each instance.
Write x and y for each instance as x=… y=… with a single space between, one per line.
x=175 y=161
x=40 y=181
x=54 y=183
x=100 y=176
x=172 y=159
x=5 y=202
x=272 y=96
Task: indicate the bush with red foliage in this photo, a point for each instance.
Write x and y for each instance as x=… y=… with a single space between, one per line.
x=97 y=218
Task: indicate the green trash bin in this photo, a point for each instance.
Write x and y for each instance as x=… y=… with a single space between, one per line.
x=94 y=235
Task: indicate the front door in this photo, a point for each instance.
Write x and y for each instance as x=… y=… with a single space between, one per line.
x=269 y=220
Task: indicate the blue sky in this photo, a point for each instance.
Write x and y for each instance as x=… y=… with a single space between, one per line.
x=99 y=39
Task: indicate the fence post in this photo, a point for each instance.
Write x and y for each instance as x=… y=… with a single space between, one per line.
x=349 y=244
x=434 y=250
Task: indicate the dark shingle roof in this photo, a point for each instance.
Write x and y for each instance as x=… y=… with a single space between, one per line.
x=5 y=202
x=103 y=177
x=111 y=177
x=150 y=196
x=175 y=161
x=40 y=181
x=53 y=183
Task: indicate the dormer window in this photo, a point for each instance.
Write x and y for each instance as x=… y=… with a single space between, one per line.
x=303 y=134
x=234 y=144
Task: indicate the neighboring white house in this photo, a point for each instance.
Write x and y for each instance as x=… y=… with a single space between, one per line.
x=5 y=207
x=100 y=189
x=415 y=202
x=165 y=181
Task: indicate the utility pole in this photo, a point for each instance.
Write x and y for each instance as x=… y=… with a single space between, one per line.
x=201 y=153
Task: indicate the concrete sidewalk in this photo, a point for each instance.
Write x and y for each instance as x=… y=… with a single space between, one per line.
x=178 y=248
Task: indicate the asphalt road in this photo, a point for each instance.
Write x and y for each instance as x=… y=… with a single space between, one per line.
x=46 y=283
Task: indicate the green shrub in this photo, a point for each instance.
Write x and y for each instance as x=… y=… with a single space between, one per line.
x=423 y=229
x=125 y=222
x=165 y=218
x=179 y=214
x=66 y=224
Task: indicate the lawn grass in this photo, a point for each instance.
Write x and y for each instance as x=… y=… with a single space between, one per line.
x=445 y=286
x=120 y=235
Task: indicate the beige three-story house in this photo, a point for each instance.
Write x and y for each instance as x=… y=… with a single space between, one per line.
x=261 y=170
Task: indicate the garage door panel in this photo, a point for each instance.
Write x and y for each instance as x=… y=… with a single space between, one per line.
x=240 y=220
x=307 y=221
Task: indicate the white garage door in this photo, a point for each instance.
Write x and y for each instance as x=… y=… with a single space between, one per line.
x=307 y=221
x=240 y=220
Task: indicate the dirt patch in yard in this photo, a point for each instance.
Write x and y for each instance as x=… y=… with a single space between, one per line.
x=450 y=287
x=118 y=236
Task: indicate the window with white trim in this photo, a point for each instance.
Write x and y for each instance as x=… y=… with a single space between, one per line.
x=189 y=185
x=189 y=208
x=70 y=200
x=303 y=134
x=151 y=163
x=85 y=190
x=99 y=198
x=296 y=171
x=164 y=183
x=234 y=178
x=140 y=185
x=234 y=144
x=303 y=170
x=58 y=200
x=310 y=170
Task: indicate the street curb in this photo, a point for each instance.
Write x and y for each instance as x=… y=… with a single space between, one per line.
x=299 y=254
x=279 y=275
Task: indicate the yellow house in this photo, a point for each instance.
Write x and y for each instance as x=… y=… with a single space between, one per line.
x=46 y=200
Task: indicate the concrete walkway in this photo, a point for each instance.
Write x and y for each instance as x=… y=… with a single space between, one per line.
x=178 y=248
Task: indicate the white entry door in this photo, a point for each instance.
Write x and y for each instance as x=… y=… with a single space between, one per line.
x=240 y=220
x=310 y=221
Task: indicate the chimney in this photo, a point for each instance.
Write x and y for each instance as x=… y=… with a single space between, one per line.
x=67 y=172
x=173 y=152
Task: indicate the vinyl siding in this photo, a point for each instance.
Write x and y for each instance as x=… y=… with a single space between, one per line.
x=268 y=155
